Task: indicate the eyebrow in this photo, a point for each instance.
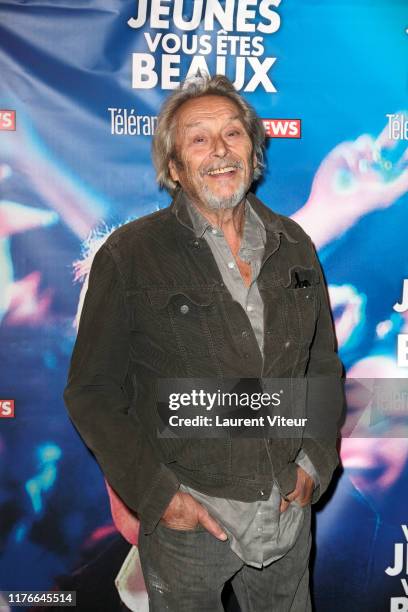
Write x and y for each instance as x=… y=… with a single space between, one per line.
x=195 y=123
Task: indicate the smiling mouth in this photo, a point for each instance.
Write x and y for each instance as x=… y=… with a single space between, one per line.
x=218 y=171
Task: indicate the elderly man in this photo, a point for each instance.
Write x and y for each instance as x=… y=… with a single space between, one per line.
x=208 y=287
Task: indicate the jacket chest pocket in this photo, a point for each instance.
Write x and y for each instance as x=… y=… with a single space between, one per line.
x=301 y=290
x=301 y=314
x=190 y=314
x=292 y=305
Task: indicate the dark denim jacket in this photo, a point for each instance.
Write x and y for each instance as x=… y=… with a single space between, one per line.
x=134 y=330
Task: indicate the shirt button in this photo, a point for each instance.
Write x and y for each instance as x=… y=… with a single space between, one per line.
x=249 y=308
x=231 y=264
x=184 y=309
x=214 y=231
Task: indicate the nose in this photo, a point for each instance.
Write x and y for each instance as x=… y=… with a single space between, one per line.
x=220 y=147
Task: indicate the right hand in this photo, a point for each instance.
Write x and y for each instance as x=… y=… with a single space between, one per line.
x=184 y=512
x=303 y=491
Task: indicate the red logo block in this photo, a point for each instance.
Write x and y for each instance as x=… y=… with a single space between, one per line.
x=282 y=128
x=6 y=409
x=7 y=120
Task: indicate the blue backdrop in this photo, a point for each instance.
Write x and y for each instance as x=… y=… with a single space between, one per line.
x=85 y=80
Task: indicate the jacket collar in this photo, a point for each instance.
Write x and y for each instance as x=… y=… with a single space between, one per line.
x=271 y=220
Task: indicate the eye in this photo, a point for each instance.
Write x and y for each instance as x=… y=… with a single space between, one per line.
x=234 y=132
x=198 y=139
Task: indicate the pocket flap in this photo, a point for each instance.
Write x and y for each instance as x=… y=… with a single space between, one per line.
x=201 y=296
x=300 y=277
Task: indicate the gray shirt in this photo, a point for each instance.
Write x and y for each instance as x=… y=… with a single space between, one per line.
x=258 y=533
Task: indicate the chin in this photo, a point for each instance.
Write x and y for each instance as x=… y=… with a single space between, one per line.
x=216 y=202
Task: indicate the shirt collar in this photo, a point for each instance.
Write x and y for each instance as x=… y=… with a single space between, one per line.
x=254 y=235
x=271 y=221
x=199 y=223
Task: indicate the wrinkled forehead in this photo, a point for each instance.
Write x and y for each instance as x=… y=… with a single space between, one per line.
x=205 y=110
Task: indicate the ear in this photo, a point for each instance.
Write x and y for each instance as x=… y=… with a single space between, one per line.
x=254 y=160
x=173 y=171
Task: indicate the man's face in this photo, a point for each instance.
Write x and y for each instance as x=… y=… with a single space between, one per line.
x=215 y=160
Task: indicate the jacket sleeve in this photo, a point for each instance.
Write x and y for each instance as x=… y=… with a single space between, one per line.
x=325 y=398
x=98 y=402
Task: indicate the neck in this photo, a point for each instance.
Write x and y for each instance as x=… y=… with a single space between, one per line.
x=229 y=220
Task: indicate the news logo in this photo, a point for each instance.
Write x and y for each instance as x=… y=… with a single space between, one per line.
x=283 y=128
x=7 y=120
x=6 y=409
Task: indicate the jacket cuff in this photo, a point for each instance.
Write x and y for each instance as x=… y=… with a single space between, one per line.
x=304 y=462
x=164 y=487
x=324 y=455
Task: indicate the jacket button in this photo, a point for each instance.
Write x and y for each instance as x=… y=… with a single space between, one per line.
x=196 y=244
x=287 y=344
x=245 y=333
x=184 y=309
x=262 y=493
x=246 y=355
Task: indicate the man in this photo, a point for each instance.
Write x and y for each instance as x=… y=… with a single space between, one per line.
x=215 y=286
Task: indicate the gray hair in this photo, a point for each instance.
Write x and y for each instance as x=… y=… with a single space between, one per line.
x=163 y=148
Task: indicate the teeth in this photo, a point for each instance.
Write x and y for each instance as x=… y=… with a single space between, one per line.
x=222 y=170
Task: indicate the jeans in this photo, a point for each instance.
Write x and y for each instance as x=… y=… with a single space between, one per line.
x=185 y=571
